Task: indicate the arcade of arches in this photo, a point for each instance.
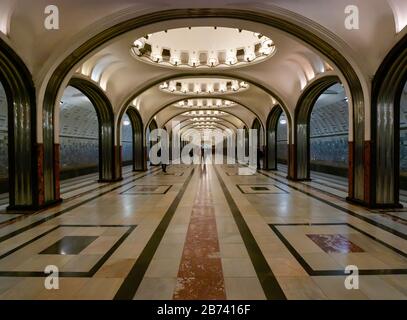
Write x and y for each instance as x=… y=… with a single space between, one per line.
x=79 y=190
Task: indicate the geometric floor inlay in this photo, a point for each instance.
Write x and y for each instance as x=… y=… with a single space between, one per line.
x=174 y=174
x=147 y=190
x=261 y=189
x=332 y=243
x=326 y=249
x=77 y=251
x=69 y=245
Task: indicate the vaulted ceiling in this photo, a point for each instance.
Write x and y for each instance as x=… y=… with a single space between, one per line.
x=130 y=81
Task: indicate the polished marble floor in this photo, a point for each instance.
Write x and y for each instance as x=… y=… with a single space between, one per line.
x=202 y=232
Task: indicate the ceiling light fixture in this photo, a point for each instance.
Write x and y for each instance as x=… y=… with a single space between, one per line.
x=203 y=86
x=211 y=47
x=204 y=103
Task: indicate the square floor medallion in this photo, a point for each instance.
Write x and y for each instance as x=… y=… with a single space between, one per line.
x=325 y=249
x=77 y=251
x=69 y=245
x=261 y=189
x=147 y=190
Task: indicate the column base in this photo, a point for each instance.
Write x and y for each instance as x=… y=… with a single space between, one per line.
x=357 y=202
x=299 y=180
x=110 y=180
x=375 y=205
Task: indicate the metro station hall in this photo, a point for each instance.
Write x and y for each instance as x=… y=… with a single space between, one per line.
x=203 y=150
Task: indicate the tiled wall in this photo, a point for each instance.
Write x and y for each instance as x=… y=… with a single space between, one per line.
x=403 y=133
x=79 y=136
x=78 y=152
x=328 y=146
x=3 y=135
x=127 y=144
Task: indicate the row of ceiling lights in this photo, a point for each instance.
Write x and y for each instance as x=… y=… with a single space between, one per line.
x=202 y=88
x=205 y=119
x=204 y=113
x=266 y=48
x=219 y=103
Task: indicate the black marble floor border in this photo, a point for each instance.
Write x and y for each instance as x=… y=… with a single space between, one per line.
x=57 y=214
x=268 y=281
x=348 y=211
x=126 y=192
x=68 y=274
x=170 y=174
x=133 y=280
x=238 y=175
x=312 y=272
x=259 y=184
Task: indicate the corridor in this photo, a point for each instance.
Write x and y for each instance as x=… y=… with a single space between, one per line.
x=297 y=108
x=204 y=232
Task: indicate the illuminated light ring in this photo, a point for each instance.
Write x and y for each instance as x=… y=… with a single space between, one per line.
x=249 y=48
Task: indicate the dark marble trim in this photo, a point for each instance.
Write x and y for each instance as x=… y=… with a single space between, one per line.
x=238 y=175
x=170 y=174
x=89 y=274
x=261 y=184
x=350 y=212
x=126 y=192
x=267 y=279
x=133 y=280
x=312 y=272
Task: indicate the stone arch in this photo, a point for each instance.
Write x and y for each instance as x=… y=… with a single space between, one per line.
x=105 y=115
x=273 y=20
x=384 y=152
x=25 y=184
x=271 y=137
x=139 y=163
x=302 y=118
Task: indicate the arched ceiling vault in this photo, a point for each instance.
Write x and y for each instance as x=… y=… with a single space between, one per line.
x=175 y=115
x=285 y=74
x=231 y=123
x=219 y=127
x=165 y=112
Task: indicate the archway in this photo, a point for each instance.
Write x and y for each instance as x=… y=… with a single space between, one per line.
x=403 y=146
x=387 y=89
x=139 y=162
x=79 y=135
x=306 y=102
x=4 y=185
x=271 y=20
x=152 y=126
x=283 y=143
x=329 y=131
x=258 y=129
x=127 y=151
x=23 y=170
x=277 y=142
x=105 y=117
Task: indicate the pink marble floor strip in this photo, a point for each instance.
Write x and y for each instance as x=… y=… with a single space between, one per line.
x=334 y=243
x=200 y=276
